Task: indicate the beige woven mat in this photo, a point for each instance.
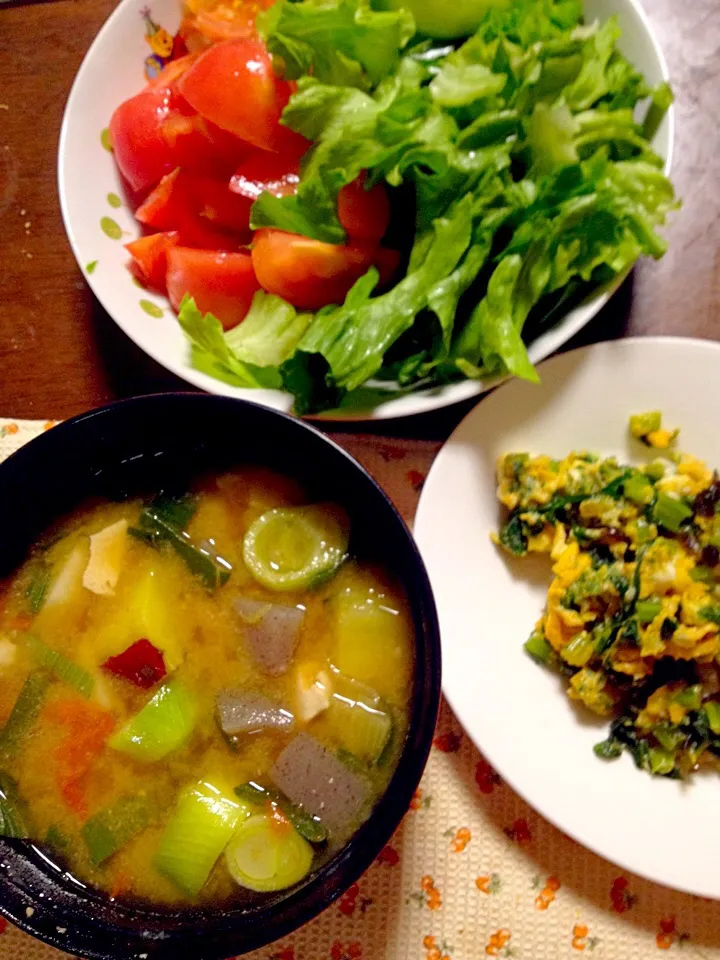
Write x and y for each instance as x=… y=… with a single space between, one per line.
x=471 y=873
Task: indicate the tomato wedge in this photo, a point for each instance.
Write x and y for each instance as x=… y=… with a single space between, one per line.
x=311 y=274
x=149 y=258
x=215 y=202
x=223 y=284
x=157 y=130
x=266 y=172
x=196 y=207
x=234 y=86
x=364 y=214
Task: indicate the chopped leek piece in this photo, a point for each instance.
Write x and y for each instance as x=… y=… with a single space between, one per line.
x=164 y=521
x=638 y=488
x=13 y=822
x=580 y=649
x=163 y=725
x=647 y=610
x=202 y=825
x=60 y=665
x=669 y=736
x=38 y=587
x=111 y=829
x=361 y=728
x=307 y=826
x=539 y=648
x=712 y=712
x=290 y=548
x=655 y=470
x=641 y=424
x=670 y=512
x=689 y=697
x=703 y=574
x=711 y=613
x=25 y=712
x=264 y=858
x=661 y=762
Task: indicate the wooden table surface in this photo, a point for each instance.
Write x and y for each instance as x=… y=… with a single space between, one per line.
x=61 y=354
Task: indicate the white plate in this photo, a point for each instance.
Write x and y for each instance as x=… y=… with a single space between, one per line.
x=113 y=71
x=515 y=711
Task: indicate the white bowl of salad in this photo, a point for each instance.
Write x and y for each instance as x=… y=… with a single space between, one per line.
x=360 y=213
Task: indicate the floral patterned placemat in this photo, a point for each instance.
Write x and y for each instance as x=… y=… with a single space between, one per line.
x=472 y=872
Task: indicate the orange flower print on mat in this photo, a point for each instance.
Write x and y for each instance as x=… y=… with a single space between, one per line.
x=620 y=895
x=581 y=939
x=434 y=900
x=497 y=945
x=8 y=430
x=668 y=934
x=519 y=832
x=485 y=777
x=436 y=951
x=428 y=895
x=389 y=856
x=49 y=424
x=488 y=884
x=460 y=840
x=547 y=894
x=448 y=742
x=420 y=801
x=350 y=951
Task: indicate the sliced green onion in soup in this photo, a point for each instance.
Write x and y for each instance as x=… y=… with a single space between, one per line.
x=363 y=729
x=291 y=548
x=265 y=855
x=202 y=825
x=164 y=724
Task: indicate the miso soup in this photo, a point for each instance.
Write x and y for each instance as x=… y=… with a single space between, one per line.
x=203 y=695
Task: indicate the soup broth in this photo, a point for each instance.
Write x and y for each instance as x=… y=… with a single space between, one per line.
x=201 y=696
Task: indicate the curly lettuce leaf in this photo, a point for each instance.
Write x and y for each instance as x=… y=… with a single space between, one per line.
x=342 y=42
x=535 y=121
x=349 y=342
x=250 y=354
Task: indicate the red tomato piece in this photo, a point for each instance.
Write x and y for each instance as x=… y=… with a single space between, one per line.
x=223 y=284
x=141 y=152
x=234 y=86
x=142 y=664
x=308 y=273
x=266 y=172
x=214 y=201
x=364 y=214
x=167 y=205
x=149 y=258
x=182 y=202
x=156 y=131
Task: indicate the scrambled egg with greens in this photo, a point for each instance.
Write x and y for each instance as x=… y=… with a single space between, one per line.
x=633 y=611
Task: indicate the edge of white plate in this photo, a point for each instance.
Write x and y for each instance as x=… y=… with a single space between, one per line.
x=622 y=344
